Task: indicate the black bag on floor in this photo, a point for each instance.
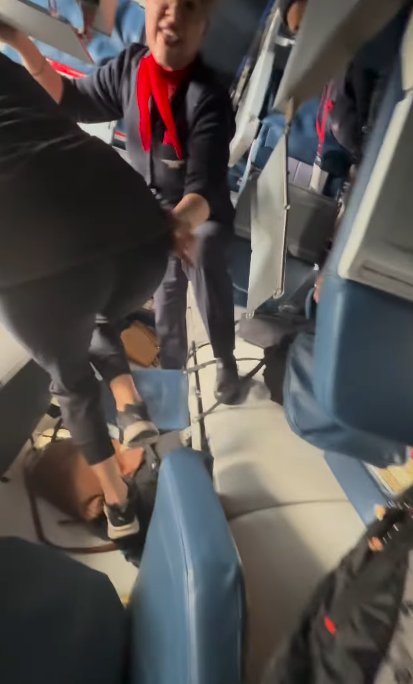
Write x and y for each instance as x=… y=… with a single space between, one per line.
x=358 y=627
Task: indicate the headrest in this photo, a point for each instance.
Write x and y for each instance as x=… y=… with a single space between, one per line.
x=363 y=349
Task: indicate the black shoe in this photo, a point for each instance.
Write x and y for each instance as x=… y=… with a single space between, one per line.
x=122 y=520
x=146 y=484
x=135 y=427
x=227 y=387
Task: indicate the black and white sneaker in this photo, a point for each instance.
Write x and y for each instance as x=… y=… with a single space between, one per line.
x=122 y=520
x=135 y=427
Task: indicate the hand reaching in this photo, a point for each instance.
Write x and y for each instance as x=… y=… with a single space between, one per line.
x=89 y=11
x=185 y=241
x=8 y=34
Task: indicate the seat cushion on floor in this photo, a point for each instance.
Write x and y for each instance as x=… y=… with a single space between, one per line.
x=165 y=393
x=60 y=622
x=285 y=552
x=262 y=464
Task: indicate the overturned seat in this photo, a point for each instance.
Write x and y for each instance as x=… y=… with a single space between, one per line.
x=362 y=364
x=363 y=369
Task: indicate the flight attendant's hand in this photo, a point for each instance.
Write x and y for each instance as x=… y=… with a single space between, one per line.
x=184 y=239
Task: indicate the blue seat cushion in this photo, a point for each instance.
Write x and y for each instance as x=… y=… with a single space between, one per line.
x=302 y=140
x=165 y=393
x=308 y=419
x=187 y=609
x=363 y=358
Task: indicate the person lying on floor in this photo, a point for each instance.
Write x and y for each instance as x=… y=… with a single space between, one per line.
x=83 y=243
x=179 y=124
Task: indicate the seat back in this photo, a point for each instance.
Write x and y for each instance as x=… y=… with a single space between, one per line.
x=187 y=609
x=302 y=140
x=363 y=350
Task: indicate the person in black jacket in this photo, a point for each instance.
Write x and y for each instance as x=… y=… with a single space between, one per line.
x=76 y=257
x=179 y=124
x=359 y=91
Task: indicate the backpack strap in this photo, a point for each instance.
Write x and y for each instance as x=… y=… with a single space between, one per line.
x=377 y=565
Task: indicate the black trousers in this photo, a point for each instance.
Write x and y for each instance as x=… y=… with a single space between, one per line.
x=70 y=321
x=213 y=291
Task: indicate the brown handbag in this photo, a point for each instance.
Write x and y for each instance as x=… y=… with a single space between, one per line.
x=60 y=474
x=141 y=344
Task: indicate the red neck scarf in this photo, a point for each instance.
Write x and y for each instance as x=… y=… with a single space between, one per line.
x=156 y=82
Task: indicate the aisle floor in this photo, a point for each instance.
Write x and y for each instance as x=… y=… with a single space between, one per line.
x=290 y=519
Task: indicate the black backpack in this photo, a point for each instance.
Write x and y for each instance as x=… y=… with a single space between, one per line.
x=358 y=627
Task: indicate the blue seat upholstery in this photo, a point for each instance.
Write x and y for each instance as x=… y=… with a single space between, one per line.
x=165 y=393
x=187 y=609
x=363 y=359
x=302 y=140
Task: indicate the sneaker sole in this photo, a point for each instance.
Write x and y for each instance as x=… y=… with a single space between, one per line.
x=128 y=530
x=139 y=434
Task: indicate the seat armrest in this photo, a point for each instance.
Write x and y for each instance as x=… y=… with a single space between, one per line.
x=187 y=608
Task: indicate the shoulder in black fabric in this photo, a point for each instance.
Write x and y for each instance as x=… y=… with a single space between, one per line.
x=60 y=622
x=203 y=84
x=358 y=627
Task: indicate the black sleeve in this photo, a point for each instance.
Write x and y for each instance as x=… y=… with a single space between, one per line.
x=212 y=129
x=98 y=97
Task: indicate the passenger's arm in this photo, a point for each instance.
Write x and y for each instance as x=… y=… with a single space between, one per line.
x=94 y=99
x=34 y=61
x=206 y=184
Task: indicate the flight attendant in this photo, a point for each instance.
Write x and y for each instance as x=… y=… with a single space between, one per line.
x=179 y=124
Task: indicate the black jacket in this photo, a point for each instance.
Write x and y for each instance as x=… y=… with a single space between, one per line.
x=359 y=91
x=205 y=131
x=65 y=197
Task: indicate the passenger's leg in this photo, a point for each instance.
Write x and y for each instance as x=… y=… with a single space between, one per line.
x=214 y=296
x=170 y=312
x=138 y=274
x=54 y=319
